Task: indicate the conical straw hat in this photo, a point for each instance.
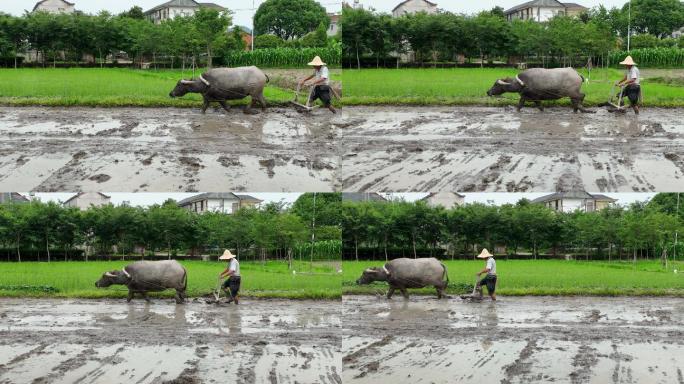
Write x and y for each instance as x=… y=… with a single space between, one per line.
x=628 y=61
x=484 y=254
x=316 y=62
x=226 y=255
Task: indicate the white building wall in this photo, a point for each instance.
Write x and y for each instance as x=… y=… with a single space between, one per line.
x=414 y=6
x=571 y=205
x=87 y=200
x=447 y=200
x=56 y=6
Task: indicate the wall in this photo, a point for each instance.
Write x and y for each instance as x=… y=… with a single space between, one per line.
x=414 y=6
x=56 y=6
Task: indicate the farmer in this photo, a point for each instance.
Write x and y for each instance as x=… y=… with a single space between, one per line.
x=233 y=281
x=630 y=82
x=490 y=270
x=321 y=83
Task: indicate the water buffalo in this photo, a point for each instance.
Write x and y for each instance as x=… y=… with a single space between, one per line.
x=153 y=276
x=409 y=273
x=537 y=84
x=222 y=84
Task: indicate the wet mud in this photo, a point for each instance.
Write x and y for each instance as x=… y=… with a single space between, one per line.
x=267 y=341
x=515 y=340
x=481 y=149
x=167 y=149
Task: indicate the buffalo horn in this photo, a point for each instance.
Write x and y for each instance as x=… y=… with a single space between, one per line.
x=186 y=82
x=109 y=274
x=501 y=82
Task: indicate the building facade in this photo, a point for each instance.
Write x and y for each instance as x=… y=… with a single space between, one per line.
x=54 y=6
x=414 y=6
x=446 y=200
x=543 y=10
x=573 y=201
x=227 y=203
x=177 y=8
x=85 y=200
x=13 y=198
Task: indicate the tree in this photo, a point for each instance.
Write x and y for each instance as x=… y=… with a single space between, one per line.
x=289 y=19
x=210 y=25
x=134 y=13
x=355 y=24
x=268 y=41
x=657 y=17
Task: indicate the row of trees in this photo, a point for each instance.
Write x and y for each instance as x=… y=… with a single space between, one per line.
x=206 y=35
x=273 y=230
x=445 y=36
x=386 y=230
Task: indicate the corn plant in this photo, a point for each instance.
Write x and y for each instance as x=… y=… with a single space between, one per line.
x=284 y=57
x=652 y=57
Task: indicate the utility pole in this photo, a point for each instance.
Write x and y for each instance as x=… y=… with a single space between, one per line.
x=254 y=14
x=629 y=26
x=313 y=229
x=674 y=254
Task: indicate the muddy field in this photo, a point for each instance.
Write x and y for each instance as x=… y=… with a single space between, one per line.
x=517 y=340
x=468 y=149
x=166 y=149
x=69 y=341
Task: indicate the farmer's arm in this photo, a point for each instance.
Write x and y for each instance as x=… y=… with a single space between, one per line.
x=484 y=270
x=226 y=272
x=307 y=79
x=322 y=80
x=622 y=81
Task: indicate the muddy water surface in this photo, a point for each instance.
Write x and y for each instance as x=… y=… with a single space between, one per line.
x=68 y=341
x=515 y=340
x=153 y=149
x=470 y=149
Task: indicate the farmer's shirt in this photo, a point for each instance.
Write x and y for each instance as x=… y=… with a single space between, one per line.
x=633 y=74
x=234 y=266
x=322 y=73
x=491 y=265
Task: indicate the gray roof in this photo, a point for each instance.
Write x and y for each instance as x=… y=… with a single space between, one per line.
x=572 y=195
x=434 y=193
x=536 y=3
x=13 y=197
x=217 y=196
x=183 y=4
x=362 y=196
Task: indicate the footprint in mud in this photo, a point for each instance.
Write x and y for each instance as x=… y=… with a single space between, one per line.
x=229 y=161
x=269 y=165
x=101 y=178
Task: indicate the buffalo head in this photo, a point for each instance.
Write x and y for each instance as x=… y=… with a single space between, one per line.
x=183 y=87
x=504 y=85
x=112 y=277
x=370 y=275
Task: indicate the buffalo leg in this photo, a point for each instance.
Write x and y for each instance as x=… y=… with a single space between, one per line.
x=179 y=296
x=521 y=103
x=262 y=101
x=404 y=293
x=440 y=292
x=225 y=105
x=248 y=109
x=130 y=296
x=539 y=105
x=390 y=292
x=144 y=295
x=205 y=105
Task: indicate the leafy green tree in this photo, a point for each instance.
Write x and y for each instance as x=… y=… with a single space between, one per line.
x=268 y=41
x=289 y=19
x=134 y=13
x=657 y=17
x=210 y=25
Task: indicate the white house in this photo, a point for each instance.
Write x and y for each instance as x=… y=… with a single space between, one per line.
x=85 y=200
x=446 y=200
x=572 y=201
x=678 y=33
x=13 y=198
x=227 y=202
x=414 y=6
x=54 y=6
x=334 y=27
x=543 y=10
x=362 y=197
x=174 y=8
